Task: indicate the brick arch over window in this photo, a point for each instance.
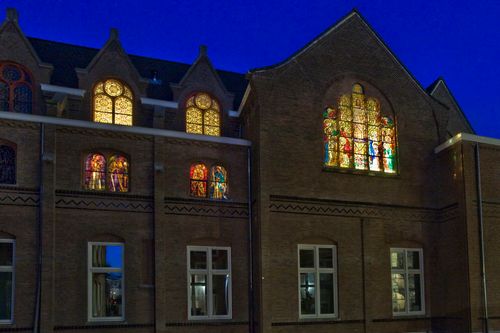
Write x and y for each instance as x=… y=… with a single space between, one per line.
x=16 y=88
x=202 y=114
x=8 y=162
x=112 y=102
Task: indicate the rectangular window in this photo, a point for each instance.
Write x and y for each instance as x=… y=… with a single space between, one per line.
x=317 y=281
x=105 y=281
x=407 y=278
x=7 y=253
x=209 y=282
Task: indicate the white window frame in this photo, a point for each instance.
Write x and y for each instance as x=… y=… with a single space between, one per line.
x=12 y=270
x=317 y=270
x=209 y=272
x=92 y=270
x=406 y=272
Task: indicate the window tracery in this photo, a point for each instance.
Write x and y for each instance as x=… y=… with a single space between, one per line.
x=202 y=115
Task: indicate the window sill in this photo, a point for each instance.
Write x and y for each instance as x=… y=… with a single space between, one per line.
x=361 y=172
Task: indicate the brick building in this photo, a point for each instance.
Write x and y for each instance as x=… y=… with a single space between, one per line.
x=327 y=193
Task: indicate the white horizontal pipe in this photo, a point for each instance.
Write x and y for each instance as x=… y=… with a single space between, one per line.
x=466 y=137
x=62 y=90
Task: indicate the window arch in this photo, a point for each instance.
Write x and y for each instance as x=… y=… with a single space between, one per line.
x=356 y=136
x=16 y=88
x=198 y=175
x=113 y=102
x=103 y=173
x=202 y=115
x=218 y=182
x=118 y=174
x=7 y=164
x=95 y=172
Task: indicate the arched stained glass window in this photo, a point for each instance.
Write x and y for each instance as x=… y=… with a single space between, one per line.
x=202 y=115
x=118 y=174
x=218 y=182
x=95 y=172
x=7 y=164
x=198 y=175
x=356 y=136
x=16 y=88
x=113 y=103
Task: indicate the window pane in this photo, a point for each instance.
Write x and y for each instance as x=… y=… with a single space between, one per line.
x=107 y=294
x=307 y=294
x=219 y=259
x=325 y=258
x=198 y=295
x=414 y=292
x=7 y=165
x=413 y=259
x=326 y=293
x=220 y=295
x=95 y=172
x=398 y=293
x=5 y=295
x=307 y=258
x=397 y=260
x=118 y=174
x=198 y=259
x=107 y=256
x=6 y=250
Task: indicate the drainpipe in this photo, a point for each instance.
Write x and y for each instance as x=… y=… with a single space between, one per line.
x=36 y=320
x=481 y=240
x=251 y=328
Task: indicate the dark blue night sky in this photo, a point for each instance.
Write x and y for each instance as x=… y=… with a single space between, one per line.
x=458 y=40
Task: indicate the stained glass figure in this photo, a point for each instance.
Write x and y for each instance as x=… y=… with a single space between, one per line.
x=113 y=103
x=118 y=174
x=198 y=176
x=218 y=182
x=95 y=172
x=202 y=115
x=7 y=164
x=356 y=136
x=16 y=88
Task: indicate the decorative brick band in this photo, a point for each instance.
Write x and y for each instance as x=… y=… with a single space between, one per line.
x=103 y=202
x=101 y=326
x=19 y=196
x=206 y=208
x=16 y=329
x=317 y=322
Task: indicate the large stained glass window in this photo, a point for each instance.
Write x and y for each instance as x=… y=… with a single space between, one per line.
x=357 y=136
x=198 y=175
x=16 y=88
x=118 y=174
x=110 y=174
x=95 y=172
x=202 y=115
x=218 y=182
x=113 y=103
x=7 y=164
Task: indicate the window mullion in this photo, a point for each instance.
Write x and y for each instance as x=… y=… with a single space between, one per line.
x=209 y=283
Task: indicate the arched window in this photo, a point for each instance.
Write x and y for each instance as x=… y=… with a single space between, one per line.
x=95 y=172
x=356 y=136
x=118 y=174
x=202 y=115
x=218 y=182
x=16 y=88
x=198 y=175
x=7 y=164
x=113 y=103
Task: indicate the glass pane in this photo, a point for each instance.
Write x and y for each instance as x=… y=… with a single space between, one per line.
x=398 y=293
x=220 y=294
x=118 y=174
x=414 y=292
x=198 y=188
x=95 y=172
x=107 y=256
x=113 y=88
x=203 y=101
x=218 y=182
x=326 y=293
x=212 y=130
x=123 y=105
x=198 y=259
x=5 y=295
x=307 y=293
x=6 y=251
x=374 y=163
x=107 y=294
x=307 y=258
x=198 y=295
x=360 y=162
x=397 y=259
x=389 y=166
x=413 y=259
x=219 y=259
x=7 y=165
x=325 y=258
x=123 y=119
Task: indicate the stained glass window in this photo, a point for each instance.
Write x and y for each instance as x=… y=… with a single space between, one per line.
x=95 y=172
x=118 y=174
x=356 y=136
x=7 y=164
x=198 y=175
x=202 y=115
x=218 y=182
x=113 y=103
x=16 y=88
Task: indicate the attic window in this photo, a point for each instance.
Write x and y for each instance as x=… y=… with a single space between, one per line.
x=154 y=78
x=202 y=115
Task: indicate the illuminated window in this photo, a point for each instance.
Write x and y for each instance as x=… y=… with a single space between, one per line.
x=16 y=88
x=105 y=274
x=118 y=174
x=202 y=115
x=356 y=136
x=7 y=273
x=317 y=281
x=198 y=175
x=7 y=164
x=101 y=173
x=407 y=281
x=95 y=172
x=209 y=289
x=113 y=103
x=218 y=182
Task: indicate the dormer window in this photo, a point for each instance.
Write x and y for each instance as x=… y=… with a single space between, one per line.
x=202 y=115
x=113 y=103
x=16 y=88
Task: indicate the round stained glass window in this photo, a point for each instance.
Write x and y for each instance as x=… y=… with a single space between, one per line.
x=203 y=101
x=113 y=88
